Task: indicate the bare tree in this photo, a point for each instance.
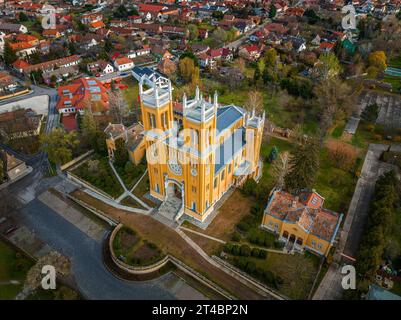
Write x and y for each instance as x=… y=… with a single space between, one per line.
x=335 y=100
x=254 y=101
x=280 y=168
x=118 y=106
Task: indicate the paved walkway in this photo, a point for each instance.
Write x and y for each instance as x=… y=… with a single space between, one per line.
x=74 y=216
x=351 y=233
x=127 y=193
x=203 y=235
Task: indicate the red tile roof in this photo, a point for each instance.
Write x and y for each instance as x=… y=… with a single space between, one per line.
x=123 y=60
x=305 y=210
x=80 y=92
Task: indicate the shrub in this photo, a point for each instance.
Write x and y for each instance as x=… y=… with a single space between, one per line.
x=251 y=267
x=236 y=236
x=278 y=245
x=262 y=254
x=268 y=242
x=268 y=276
x=249 y=187
x=342 y=154
x=228 y=247
x=240 y=263
x=255 y=209
x=245 y=250
x=243 y=226
x=255 y=252
x=235 y=250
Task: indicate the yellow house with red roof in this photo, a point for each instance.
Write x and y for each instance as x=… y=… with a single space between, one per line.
x=301 y=222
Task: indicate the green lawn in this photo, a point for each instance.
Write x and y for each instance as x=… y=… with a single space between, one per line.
x=131 y=93
x=297 y=271
x=338 y=131
x=13 y=266
x=334 y=184
x=395 y=62
x=394 y=81
x=103 y=177
x=129 y=247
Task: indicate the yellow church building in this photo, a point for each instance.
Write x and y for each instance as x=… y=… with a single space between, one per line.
x=196 y=152
x=301 y=222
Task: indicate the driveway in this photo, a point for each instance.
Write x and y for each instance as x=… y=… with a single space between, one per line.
x=235 y=44
x=355 y=221
x=92 y=277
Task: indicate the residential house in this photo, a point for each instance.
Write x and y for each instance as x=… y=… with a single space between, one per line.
x=250 y=52
x=161 y=53
x=123 y=64
x=79 y=95
x=326 y=46
x=133 y=138
x=60 y=74
x=51 y=33
x=13 y=28
x=301 y=222
x=100 y=67
x=21 y=123
x=23 y=49
x=95 y=25
x=15 y=168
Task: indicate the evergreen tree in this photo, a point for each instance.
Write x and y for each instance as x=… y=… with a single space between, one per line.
x=272 y=11
x=9 y=54
x=121 y=153
x=100 y=146
x=304 y=165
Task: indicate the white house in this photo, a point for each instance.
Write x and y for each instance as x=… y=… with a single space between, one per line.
x=123 y=64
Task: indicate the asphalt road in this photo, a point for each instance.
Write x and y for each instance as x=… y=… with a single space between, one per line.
x=92 y=277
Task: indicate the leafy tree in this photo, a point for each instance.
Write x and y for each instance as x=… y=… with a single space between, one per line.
x=378 y=60
x=99 y=143
x=121 y=12
x=121 y=153
x=312 y=16
x=189 y=72
x=193 y=32
x=328 y=66
x=59 y=145
x=219 y=36
x=304 y=166
x=271 y=57
x=22 y=17
x=88 y=127
x=261 y=65
x=190 y=54
x=217 y=15
x=336 y=100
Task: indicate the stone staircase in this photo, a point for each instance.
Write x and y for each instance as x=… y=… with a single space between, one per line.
x=170 y=207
